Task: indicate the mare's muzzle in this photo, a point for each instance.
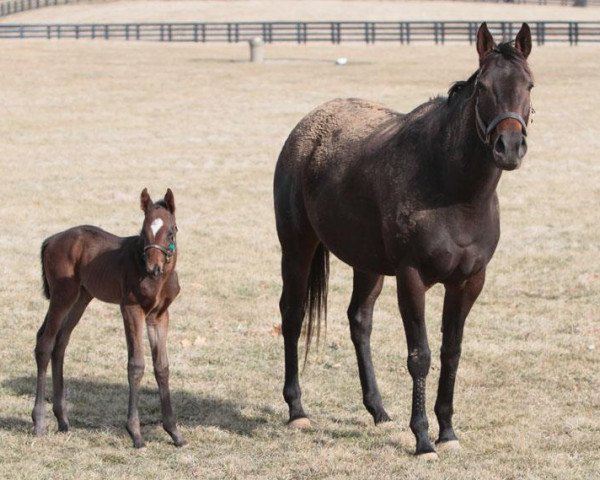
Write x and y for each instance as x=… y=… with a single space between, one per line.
x=509 y=146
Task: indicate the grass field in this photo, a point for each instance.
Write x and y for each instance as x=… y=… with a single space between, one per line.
x=239 y=10
x=85 y=126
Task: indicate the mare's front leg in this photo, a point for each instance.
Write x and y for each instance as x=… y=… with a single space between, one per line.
x=411 y=300
x=157 y=334
x=457 y=303
x=133 y=318
x=366 y=289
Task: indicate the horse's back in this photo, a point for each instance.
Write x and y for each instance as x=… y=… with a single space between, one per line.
x=75 y=254
x=334 y=127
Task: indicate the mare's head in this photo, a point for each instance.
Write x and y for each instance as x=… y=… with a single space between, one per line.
x=158 y=232
x=503 y=102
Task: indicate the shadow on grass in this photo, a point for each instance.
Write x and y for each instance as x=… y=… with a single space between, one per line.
x=96 y=405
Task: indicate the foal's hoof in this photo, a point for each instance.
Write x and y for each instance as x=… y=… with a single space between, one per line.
x=39 y=431
x=447 y=446
x=428 y=457
x=301 y=423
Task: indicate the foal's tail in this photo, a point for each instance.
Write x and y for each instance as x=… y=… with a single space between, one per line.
x=44 y=279
x=316 y=296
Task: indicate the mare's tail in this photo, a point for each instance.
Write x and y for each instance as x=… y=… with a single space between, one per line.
x=316 y=296
x=44 y=279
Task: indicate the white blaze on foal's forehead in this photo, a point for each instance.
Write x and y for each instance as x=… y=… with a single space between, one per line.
x=156 y=225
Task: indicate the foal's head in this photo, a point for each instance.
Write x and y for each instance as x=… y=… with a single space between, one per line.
x=158 y=232
x=503 y=103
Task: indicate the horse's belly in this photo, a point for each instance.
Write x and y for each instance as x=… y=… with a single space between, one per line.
x=451 y=263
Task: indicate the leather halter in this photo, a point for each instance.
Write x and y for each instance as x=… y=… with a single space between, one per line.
x=169 y=252
x=487 y=131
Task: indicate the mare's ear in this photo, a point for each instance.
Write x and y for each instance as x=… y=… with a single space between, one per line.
x=485 y=41
x=170 y=200
x=523 y=40
x=145 y=200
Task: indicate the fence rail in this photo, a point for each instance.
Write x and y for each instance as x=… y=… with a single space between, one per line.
x=573 y=33
x=10 y=7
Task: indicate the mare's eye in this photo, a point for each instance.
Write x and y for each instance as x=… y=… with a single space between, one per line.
x=530 y=86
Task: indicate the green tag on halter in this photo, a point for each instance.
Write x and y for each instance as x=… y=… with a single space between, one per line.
x=171 y=247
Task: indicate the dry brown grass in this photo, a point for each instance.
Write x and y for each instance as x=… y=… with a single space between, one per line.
x=238 y=10
x=85 y=126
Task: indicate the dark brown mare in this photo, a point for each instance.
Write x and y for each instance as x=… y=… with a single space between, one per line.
x=413 y=196
x=138 y=273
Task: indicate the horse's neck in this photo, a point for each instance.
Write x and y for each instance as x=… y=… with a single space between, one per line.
x=471 y=172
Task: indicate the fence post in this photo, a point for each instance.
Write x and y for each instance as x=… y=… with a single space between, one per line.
x=257 y=50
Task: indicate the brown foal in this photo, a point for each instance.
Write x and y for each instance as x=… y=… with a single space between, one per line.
x=138 y=273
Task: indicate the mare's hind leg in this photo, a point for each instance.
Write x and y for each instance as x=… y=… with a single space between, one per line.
x=133 y=318
x=457 y=303
x=64 y=295
x=58 y=357
x=295 y=271
x=366 y=289
x=157 y=334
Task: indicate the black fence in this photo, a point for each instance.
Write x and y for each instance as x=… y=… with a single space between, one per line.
x=16 y=6
x=573 y=33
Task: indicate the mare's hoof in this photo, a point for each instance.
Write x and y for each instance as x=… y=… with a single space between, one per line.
x=63 y=426
x=449 y=445
x=180 y=442
x=382 y=419
x=301 y=423
x=39 y=431
x=139 y=444
x=428 y=457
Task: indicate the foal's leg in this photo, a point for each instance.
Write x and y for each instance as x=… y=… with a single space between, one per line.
x=63 y=297
x=133 y=317
x=295 y=270
x=366 y=289
x=157 y=334
x=411 y=299
x=457 y=303
x=58 y=356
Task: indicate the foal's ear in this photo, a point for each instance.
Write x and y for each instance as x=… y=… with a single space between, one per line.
x=170 y=200
x=523 y=40
x=485 y=41
x=145 y=200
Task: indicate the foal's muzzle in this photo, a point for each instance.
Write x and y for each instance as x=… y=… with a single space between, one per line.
x=156 y=268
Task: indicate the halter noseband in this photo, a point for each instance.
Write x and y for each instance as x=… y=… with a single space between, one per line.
x=487 y=131
x=169 y=251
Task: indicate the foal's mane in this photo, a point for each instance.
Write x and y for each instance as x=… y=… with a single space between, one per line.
x=507 y=50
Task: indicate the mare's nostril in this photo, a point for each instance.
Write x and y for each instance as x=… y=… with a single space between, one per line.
x=523 y=148
x=499 y=146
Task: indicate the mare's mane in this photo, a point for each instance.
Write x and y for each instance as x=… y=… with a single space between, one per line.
x=507 y=50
